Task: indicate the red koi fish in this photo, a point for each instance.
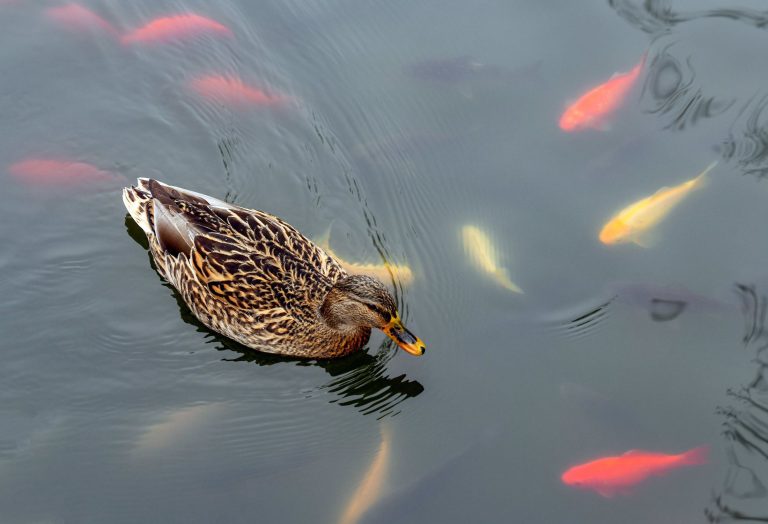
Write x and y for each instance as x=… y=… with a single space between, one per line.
x=179 y=27
x=58 y=172
x=77 y=18
x=232 y=91
x=611 y=475
x=593 y=107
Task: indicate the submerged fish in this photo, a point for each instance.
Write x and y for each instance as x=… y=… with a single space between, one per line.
x=482 y=254
x=609 y=476
x=178 y=424
x=232 y=91
x=176 y=27
x=633 y=223
x=77 y=18
x=592 y=108
x=58 y=172
x=385 y=272
x=369 y=490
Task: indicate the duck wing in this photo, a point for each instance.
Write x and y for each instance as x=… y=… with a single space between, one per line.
x=249 y=259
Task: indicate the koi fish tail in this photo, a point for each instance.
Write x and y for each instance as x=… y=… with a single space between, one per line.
x=701 y=180
x=695 y=457
x=138 y=200
x=502 y=277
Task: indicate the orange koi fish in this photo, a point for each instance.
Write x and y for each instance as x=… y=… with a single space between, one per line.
x=611 y=475
x=179 y=27
x=77 y=18
x=49 y=172
x=232 y=91
x=593 y=107
x=633 y=223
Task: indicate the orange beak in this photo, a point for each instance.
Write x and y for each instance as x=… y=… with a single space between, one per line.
x=404 y=338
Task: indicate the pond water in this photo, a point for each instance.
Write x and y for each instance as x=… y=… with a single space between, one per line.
x=393 y=125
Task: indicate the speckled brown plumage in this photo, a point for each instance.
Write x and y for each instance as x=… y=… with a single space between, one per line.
x=244 y=273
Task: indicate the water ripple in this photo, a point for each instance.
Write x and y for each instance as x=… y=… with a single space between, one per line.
x=743 y=494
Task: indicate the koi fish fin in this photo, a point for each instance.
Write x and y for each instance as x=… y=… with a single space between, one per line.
x=611 y=491
x=695 y=457
x=702 y=179
x=603 y=125
x=502 y=277
x=645 y=239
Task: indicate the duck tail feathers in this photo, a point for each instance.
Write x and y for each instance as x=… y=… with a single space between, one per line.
x=137 y=200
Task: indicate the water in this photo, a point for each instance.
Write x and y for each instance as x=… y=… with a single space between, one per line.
x=403 y=122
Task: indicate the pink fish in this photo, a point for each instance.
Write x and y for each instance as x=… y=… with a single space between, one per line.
x=77 y=18
x=178 y=27
x=232 y=91
x=592 y=109
x=611 y=475
x=58 y=172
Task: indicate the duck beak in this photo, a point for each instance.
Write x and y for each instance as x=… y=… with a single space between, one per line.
x=404 y=338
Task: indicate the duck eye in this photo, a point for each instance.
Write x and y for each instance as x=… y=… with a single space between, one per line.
x=377 y=310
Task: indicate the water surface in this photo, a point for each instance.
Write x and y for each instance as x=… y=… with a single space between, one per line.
x=402 y=123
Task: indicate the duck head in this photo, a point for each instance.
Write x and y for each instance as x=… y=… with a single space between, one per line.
x=361 y=301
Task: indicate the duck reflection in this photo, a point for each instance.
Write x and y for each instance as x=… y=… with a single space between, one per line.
x=358 y=380
x=743 y=495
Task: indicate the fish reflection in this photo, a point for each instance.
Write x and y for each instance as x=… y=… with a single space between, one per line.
x=75 y=17
x=609 y=476
x=743 y=495
x=482 y=254
x=634 y=222
x=58 y=172
x=178 y=27
x=385 y=271
x=359 y=381
x=592 y=109
x=369 y=490
x=233 y=91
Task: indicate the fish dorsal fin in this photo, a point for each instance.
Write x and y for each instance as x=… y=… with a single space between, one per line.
x=634 y=453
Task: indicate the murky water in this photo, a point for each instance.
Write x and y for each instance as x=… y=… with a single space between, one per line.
x=394 y=125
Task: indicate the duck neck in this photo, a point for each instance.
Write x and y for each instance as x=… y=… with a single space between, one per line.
x=332 y=312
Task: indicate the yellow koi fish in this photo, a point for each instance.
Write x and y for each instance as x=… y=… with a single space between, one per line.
x=384 y=272
x=633 y=223
x=482 y=254
x=369 y=490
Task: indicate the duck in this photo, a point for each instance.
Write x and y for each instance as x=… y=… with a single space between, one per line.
x=256 y=279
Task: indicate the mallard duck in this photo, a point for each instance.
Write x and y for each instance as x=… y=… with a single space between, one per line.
x=255 y=279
